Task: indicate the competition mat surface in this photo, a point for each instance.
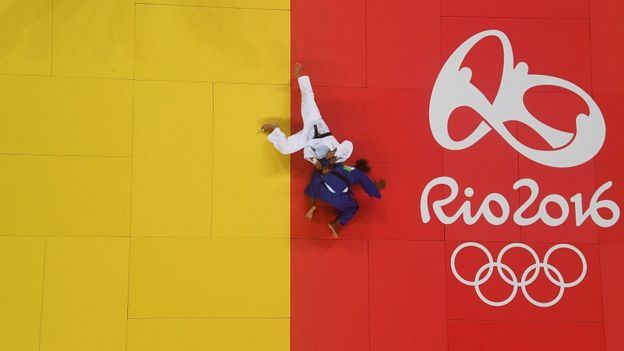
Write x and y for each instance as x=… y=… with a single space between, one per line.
x=141 y=207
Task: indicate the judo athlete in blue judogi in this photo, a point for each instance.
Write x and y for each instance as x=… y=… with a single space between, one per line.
x=333 y=185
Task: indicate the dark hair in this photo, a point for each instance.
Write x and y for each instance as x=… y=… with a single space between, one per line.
x=362 y=165
x=331 y=167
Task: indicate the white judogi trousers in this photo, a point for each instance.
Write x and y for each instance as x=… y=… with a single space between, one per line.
x=304 y=139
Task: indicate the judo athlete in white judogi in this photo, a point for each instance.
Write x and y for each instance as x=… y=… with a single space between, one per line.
x=318 y=144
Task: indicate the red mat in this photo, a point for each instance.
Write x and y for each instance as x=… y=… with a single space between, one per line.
x=387 y=284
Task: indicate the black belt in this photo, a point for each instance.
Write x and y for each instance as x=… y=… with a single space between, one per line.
x=320 y=136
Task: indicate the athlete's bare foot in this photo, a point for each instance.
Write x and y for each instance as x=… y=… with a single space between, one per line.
x=310 y=213
x=268 y=127
x=297 y=70
x=334 y=226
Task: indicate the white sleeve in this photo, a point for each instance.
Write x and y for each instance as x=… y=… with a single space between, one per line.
x=344 y=151
x=308 y=154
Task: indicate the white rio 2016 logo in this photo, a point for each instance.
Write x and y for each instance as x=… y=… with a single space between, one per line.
x=453 y=89
x=522 y=281
x=485 y=211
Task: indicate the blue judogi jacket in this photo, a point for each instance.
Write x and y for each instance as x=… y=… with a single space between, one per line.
x=334 y=190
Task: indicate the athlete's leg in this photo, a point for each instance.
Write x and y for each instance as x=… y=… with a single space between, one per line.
x=309 y=110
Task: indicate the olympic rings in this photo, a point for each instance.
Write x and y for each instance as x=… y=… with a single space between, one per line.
x=529 y=275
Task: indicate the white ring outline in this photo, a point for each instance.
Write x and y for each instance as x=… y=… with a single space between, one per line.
x=501 y=268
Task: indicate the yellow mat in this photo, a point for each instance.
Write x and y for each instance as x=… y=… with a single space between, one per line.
x=141 y=208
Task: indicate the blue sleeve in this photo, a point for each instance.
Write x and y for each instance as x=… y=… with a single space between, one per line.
x=367 y=184
x=312 y=189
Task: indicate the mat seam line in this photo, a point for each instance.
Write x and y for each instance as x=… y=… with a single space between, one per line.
x=370 y=330
x=212 y=156
x=444 y=226
x=593 y=92
x=51 y=37
x=63 y=155
x=212 y=7
x=287 y=238
x=210 y=318
x=45 y=253
x=366 y=43
x=131 y=175
x=524 y=320
x=520 y=18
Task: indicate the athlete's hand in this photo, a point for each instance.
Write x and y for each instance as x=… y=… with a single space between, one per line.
x=297 y=69
x=380 y=184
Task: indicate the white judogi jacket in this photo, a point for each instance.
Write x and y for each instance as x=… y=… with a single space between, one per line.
x=313 y=126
